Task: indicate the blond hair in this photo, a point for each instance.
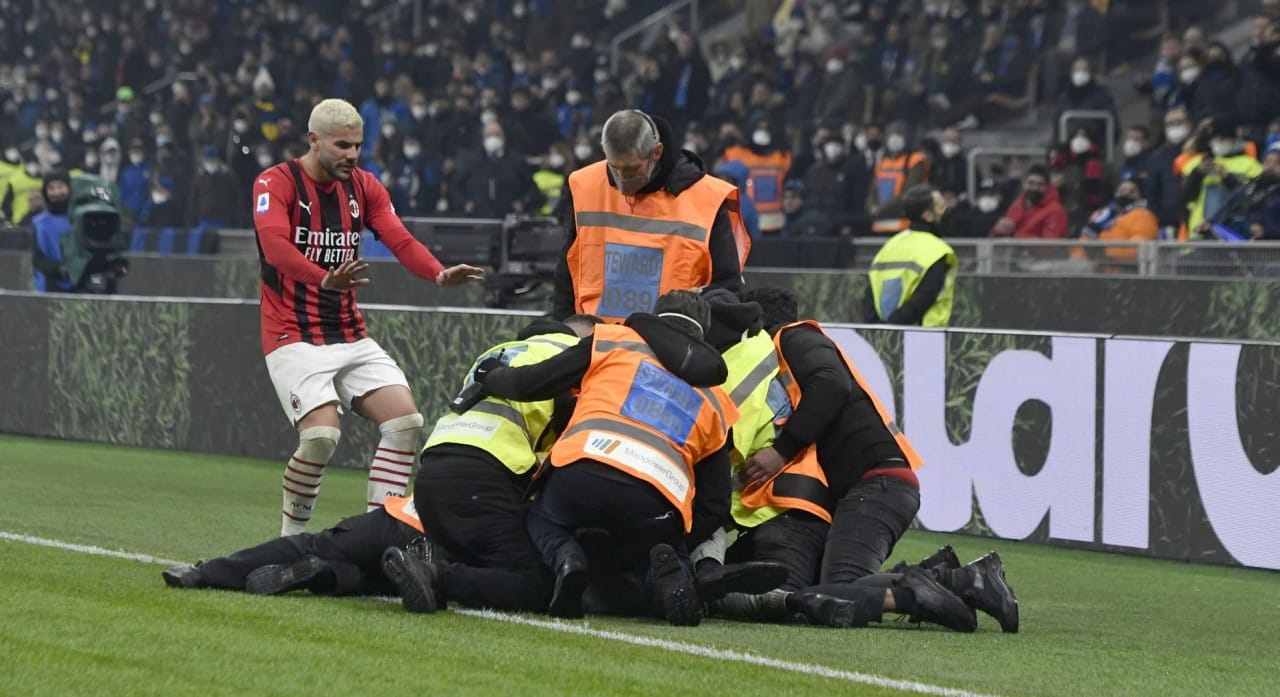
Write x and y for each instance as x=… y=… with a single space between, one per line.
x=333 y=113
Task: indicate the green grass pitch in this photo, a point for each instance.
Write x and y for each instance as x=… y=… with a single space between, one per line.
x=73 y=623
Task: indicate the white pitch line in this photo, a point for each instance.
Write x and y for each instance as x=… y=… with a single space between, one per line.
x=569 y=628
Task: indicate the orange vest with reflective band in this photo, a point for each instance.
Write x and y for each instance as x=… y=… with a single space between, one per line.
x=626 y=254
x=634 y=415
x=765 y=179
x=404 y=510
x=793 y=391
x=800 y=484
x=890 y=179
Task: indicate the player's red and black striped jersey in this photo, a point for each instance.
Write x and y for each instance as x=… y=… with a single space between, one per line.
x=304 y=228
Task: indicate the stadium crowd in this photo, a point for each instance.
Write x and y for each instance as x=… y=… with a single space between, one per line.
x=823 y=111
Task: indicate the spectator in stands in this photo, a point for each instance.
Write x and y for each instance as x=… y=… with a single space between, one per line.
x=50 y=226
x=802 y=220
x=162 y=208
x=767 y=161
x=1192 y=86
x=1162 y=84
x=692 y=80
x=999 y=77
x=1080 y=173
x=207 y=125
x=901 y=168
x=1215 y=94
x=527 y=128
x=737 y=174
x=1258 y=99
x=975 y=218
x=1085 y=93
x=372 y=110
x=22 y=191
x=550 y=177
x=1136 y=149
x=134 y=179
x=1037 y=213
x=1208 y=179
x=1164 y=183
x=494 y=181
x=1125 y=218
x=215 y=193
x=950 y=171
x=109 y=161
x=841 y=89
x=836 y=186
x=1253 y=210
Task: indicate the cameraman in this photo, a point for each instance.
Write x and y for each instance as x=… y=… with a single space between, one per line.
x=51 y=226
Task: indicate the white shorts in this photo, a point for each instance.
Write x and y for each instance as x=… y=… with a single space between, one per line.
x=307 y=376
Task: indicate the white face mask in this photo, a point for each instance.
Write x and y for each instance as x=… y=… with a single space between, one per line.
x=835 y=65
x=419 y=111
x=1080 y=78
x=159 y=197
x=137 y=157
x=555 y=160
x=1222 y=148
x=736 y=62
x=33 y=169
x=860 y=142
x=42 y=132
x=488 y=117
x=240 y=125
x=388 y=130
x=156 y=118
x=519 y=68
x=1131 y=147
x=1177 y=134
x=601 y=76
x=210 y=166
x=832 y=150
x=950 y=150
x=582 y=152
x=265 y=160
x=1188 y=75
x=1080 y=145
x=412 y=151
x=761 y=137
x=572 y=97
x=988 y=204
x=90 y=160
x=492 y=144
x=895 y=143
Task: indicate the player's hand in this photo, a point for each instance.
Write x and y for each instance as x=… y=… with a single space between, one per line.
x=761 y=467
x=345 y=275
x=462 y=273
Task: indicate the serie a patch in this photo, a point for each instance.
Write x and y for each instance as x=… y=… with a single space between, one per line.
x=264 y=203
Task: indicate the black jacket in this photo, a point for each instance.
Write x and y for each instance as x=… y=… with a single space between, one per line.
x=835 y=412
x=693 y=361
x=913 y=310
x=677 y=171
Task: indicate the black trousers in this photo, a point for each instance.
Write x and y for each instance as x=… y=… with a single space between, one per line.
x=353 y=549
x=794 y=539
x=475 y=510
x=590 y=495
x=869 y=520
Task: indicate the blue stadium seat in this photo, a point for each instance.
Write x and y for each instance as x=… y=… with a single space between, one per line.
x=165 y=240
x=143 y=240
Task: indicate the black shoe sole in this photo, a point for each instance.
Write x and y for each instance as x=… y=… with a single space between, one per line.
x=828 y=611
x=282 y=578
x=416 y=594
x=566 y=601
x=680 y=603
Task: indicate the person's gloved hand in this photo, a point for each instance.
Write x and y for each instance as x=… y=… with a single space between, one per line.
x=485 y=367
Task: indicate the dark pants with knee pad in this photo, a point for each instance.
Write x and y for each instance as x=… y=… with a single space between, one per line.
x=868 y=521
x=352 y=549
x=475 y=509
x=794 y=539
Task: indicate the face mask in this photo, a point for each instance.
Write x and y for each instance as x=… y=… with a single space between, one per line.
x=33 y=169
x=736 y=63
x=1189 y=75
x=555 y=160
x=1080 y=78
x=1131 y=147
x=162 y=141
x=388 y=130
x=517 y=11
x=156 y=118
x=469 y=16
x=572 y=97
x=601 y=76
x=42 y=132
x=988 y=204
x=57 y=135
x=1124 y=201
x=690 y=146
x=1177 y=134
x=74 y=124
x=549 y=83
x=433 y=111
x=137 y=157
x=1032 y=197
x=761 y=137
x=582 y=152
x=633 y=185
x=950 y=150
x=579 y=41
x=210 y=166
x=1080 y=145
x=519 y=68
x=832 y=150
x=240 y=125
x=90 y=160
x=488 y=117
x=1222 y=148
x=492 y=144
x=430 y=50
x=419 y=111
x=412 y=151
x=860 y=142
x=895 y=143
x=835 y=65
x=265 y=160
x=11 y=155
x=159 y=197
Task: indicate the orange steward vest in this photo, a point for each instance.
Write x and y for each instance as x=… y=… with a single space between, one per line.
x=766 y=176
x=634 y=415
x=890 y=179
x=793 y=391
x=404 y=510
x=626 y=254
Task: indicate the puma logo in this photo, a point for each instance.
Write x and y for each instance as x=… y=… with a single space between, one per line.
x=265 y=181
x=306 y=206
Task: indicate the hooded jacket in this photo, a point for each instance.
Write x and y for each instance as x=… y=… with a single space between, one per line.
x=1044 y=220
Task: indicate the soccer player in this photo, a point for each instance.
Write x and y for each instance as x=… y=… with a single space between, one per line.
x=308 y=215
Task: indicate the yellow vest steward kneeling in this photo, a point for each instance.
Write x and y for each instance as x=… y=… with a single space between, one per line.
x=634 y=415
x=509 y=431
x=624 y=256
x=763 y=407
x=898 y=267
